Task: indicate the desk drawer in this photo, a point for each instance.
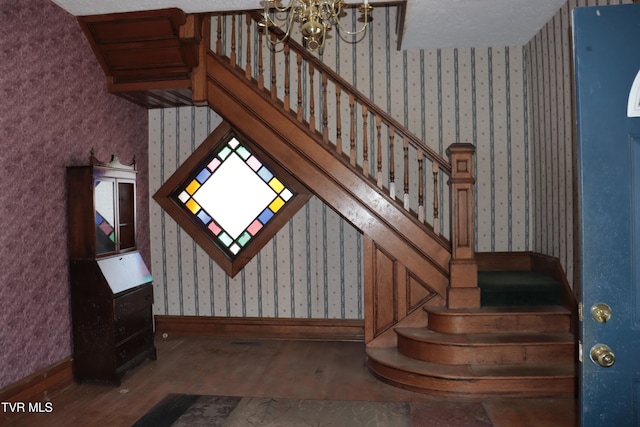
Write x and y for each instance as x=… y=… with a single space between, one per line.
x=133 y=302
x=133 y=347
x=132 y=324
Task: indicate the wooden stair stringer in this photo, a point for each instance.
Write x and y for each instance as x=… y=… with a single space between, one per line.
x=412 y=245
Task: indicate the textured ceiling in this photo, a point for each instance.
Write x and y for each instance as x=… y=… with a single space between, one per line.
x=428 y=23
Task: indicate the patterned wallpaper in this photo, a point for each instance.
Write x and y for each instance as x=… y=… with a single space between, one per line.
x=443 y=96
x=54 y=110
x=552 y=136
x=311 y=269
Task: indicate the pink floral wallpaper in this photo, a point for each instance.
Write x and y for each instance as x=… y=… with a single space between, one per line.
x=53 y=109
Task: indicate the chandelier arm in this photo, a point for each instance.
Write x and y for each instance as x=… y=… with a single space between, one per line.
x=353 y=33
x=358 y=40
x=284 y=27
x=278 y=8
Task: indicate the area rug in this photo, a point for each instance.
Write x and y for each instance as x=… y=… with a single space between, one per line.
x=188 y=410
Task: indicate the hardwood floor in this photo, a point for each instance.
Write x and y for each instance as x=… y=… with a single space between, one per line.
x=294 y=369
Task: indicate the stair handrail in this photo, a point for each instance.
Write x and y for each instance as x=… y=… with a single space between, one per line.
x=402 y=161
x=463 y=291
x=362 y=98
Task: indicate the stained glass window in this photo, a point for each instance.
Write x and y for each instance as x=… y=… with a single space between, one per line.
x=231 y=197
x=234 y=195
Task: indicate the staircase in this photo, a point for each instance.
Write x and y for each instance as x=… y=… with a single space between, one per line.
x=505 y=350
x=430 y=325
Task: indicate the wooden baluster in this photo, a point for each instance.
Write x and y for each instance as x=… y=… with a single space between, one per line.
x=392 y=164
x=260 y=63
x=365 y=142
x=436 y=197
x=274 y=76
x=338 y=122
x=379 y=127
x=287 y=79
x=325 y=110
x=219 y=40
x=299 y=62
x=247 y=70
x=420 y=186
x=232 y=57
x=352 y=145
x=405 y=145
x=312 y=102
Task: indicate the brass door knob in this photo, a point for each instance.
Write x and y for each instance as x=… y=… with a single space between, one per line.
x=603 y=355
x=601 y=313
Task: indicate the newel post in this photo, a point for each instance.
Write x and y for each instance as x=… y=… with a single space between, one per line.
x=463 y=291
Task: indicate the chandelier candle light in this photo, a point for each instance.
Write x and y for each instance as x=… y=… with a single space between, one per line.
x=316 y=17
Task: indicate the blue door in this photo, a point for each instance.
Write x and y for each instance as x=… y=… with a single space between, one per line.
x=607 y=61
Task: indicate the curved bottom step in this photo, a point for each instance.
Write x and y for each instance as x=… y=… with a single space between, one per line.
x=394 y=368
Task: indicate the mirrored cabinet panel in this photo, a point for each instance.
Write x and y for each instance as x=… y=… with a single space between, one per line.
x=104 y=199
x=111 y=287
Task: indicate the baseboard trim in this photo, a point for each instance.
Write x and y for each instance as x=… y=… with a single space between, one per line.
x=262 y=328
x=41 y=385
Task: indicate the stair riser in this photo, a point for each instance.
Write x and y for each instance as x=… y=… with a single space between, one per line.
x=547 y=353
x=476 y=387
x=480 y=324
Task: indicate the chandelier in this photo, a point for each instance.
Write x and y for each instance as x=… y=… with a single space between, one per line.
x=316 y=18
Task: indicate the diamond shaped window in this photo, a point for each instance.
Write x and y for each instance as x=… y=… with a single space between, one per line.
x=231 y=198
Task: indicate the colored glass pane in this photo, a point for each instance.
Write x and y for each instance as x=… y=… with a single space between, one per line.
x=225 y=239
x=193 y=187
x=244 y=238
x=243 y=153
x=276 y=204
x=224 y=153
x=215 y=229
x=265 y=174
x=203 y=175
x=254 y=227
x=265 y=216
x=213 y=165
x=276 y=185
x=106 y=228
x=202 y=215
x=254 y=163
x=192 y=206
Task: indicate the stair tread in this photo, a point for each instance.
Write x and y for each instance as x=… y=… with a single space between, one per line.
x=538 y=310
x=490 y=339
x=518 y=288
x=515 y=278
x=393 y=358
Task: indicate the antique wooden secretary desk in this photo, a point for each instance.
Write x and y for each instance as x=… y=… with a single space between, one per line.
x=111 y=288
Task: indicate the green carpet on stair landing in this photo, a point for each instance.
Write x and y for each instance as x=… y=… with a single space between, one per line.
x=504 y=288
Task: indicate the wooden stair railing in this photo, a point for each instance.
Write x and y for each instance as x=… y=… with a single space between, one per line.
x=373 y=143
x=391 y=178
